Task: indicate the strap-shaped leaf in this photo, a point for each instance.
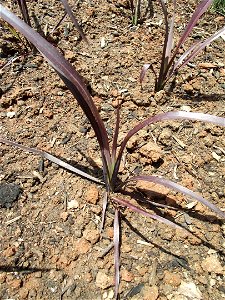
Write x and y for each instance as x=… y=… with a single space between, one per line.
x=68 y=74
x=72 y=17
x=177 y=115
x=175 y=186
x=136 y=209
x=116 y=240
x=52 y=158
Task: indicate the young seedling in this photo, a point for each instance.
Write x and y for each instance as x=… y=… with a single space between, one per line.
x=111 y=158
x=135 y=6
x=170 y=64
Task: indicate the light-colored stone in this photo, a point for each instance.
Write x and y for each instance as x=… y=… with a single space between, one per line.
x=150 y=292
x=190 y=290
x=103 y=281
x=10 y=251
x=72 y=204
x=207 y=65
x=212 y=264
x=82 y=246
x=64 y=215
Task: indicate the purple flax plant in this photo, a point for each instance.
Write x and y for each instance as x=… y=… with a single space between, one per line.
x=170 y=64
x=110 y=154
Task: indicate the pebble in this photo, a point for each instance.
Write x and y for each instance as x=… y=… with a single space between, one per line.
x=152 y=189
x=152 y=151
x=212 y=264
x=188 y=88
x=207 y=65
x=82 y=246
x=10 y=251
x=64 y=215
x=72 y=204
x=190 y=290
x=91 y=195
x=172 y=278
x=150 y=292
x=15 y=284
x=92 y=235
x=9 y=192
x=103 y=281
x=126 y=275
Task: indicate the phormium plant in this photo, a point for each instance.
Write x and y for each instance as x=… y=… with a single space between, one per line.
x=169 y=64
x=111 y=155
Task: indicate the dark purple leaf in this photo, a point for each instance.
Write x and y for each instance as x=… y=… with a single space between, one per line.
x=70 y=77
x=200 y=10
x=116 y=133
x=195 y=49
x=116 y=240
x=51 y=158
x=75 y=22
x=178 y=115
x=24 y=11
x=179 y=188
x=134 y=208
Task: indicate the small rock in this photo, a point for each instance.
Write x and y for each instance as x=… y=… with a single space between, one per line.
x=188 y=88
x=64 y=215
x=160 y=96
x=82 y=246
x=72 y=204
x=47 y=113
x=152 y=189
x=70 y=55
x=190 y=290
x=9 y=192
x=207 y=65
x=172 y=278
x=15 y=284
x=23 y=293
x=91 y=235
x=212 y=264
x=152 y=151
x=103 y=281
x=2 y=277
x=10 y=114
x=126 y=275
x=10 y=251
x=91 y=195
x=150 y=292
x=165 y=136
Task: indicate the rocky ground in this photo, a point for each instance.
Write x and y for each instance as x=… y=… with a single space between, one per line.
x=51 y=247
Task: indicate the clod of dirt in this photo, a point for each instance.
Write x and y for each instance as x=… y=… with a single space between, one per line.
x=9 y=192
